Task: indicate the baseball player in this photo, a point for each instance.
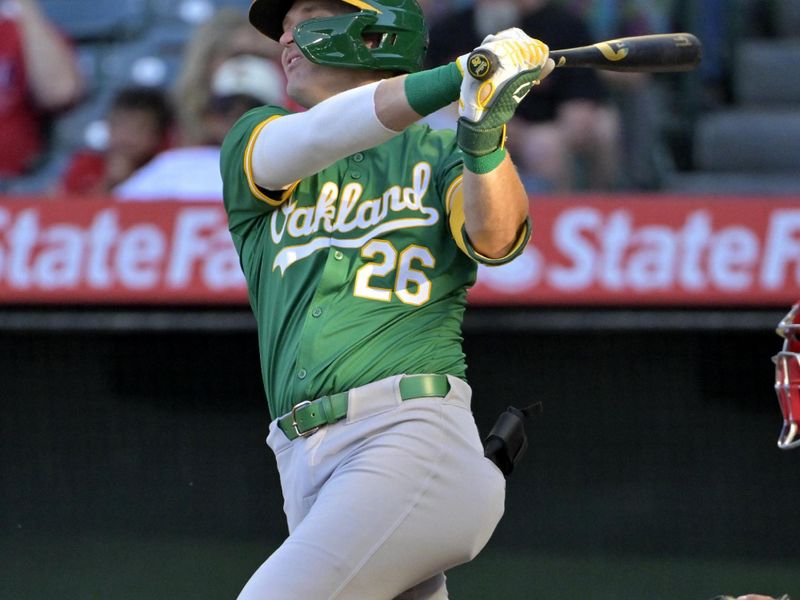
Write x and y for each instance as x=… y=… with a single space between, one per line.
x=752 y=597
x=787 y=387
x=787 y=378
x=359 y=233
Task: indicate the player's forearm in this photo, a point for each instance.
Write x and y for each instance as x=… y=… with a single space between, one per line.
x=402 y=101
x=495 y=209
x=52 y=74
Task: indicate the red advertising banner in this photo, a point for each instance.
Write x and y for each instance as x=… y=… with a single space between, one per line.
x=585 y=250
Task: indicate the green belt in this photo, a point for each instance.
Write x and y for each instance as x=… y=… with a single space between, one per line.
x=307 y=417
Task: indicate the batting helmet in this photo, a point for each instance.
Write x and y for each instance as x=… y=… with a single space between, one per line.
x=787 y=378
x=397 y=27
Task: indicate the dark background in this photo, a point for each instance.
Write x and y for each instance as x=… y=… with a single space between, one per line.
x=138 y=453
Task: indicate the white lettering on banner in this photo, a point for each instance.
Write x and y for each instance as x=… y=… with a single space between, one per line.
x=201 y=238
x=733 y=259
x=21 y=239
x=103 y=234
x=696 y=234
x=102 y=255
x=140 y=257
x=651 y=267
x=568 y=239
x=608 y=250
x=782 y=249
x=58 y=265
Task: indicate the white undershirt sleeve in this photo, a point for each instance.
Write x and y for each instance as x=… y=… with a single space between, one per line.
x=298 y=145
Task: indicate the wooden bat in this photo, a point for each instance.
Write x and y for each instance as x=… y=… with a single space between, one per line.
x=660 y=53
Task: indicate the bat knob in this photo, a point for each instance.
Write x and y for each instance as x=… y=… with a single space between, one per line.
x=482 y=64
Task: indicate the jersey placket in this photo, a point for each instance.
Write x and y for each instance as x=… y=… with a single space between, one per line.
x=334 y=276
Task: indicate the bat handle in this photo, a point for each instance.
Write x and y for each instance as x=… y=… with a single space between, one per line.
x=482 y=64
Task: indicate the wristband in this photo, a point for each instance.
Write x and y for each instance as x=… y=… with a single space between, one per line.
x=486 y=163
x=428 y=91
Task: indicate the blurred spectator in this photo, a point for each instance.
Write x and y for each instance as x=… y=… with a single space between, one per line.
x=38 y=76
x=640 y=103
x=566 y=132
x=192 y=172
x=224 y=36
x=608 y=19
x=435 y=9
x=139 y=124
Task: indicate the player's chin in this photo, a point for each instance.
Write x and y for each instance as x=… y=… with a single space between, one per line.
x=299 y=94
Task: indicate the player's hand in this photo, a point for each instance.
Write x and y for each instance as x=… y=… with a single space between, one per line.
x=522 y=62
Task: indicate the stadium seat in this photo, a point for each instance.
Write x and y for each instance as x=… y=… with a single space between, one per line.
x=90 y=58
x=91 y=20
x=751 y=184
x=244 y=5
x=191 y=13
x=181 y=13
x=788 y=18
x=748 y=141
x=743 y=151
x=83 y=126
x=767 y=72
x=154 y=60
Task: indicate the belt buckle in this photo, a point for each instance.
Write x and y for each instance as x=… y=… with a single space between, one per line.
x=295 y=408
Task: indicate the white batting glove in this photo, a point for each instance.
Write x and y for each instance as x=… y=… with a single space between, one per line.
x=517 y=52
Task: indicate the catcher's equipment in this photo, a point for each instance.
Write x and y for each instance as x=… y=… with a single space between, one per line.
x=784 y=597
x=397 y=28
x=787 y=378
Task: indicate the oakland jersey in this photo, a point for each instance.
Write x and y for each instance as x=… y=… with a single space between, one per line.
x=357 y=272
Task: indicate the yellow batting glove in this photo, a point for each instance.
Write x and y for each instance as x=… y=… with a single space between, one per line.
x=517 y=53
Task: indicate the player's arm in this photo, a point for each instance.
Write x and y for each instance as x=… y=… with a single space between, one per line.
x=290 y=148
x=495 y=203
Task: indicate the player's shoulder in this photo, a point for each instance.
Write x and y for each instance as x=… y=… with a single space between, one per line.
x=243 y=128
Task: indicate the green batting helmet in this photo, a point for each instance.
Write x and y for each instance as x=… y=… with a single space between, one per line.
x=398 y=26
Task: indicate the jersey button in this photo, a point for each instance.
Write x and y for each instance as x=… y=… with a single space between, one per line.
x=301 y=374
x=338 y=255
x=317 y=312
x=355 y=175
x=358 y=157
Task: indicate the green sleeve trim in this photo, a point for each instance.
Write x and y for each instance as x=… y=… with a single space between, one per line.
x=518 y=248
x=428 y=91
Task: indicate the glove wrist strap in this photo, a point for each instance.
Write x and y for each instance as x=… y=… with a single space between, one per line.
x=479 y=141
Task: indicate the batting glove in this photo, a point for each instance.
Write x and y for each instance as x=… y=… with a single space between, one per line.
x=486 y=106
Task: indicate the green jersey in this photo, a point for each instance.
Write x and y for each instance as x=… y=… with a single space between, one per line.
x=357 y=272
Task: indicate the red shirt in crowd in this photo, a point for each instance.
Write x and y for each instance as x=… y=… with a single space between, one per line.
x=20 y=133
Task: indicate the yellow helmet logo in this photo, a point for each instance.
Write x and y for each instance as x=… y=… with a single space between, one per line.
x=363 y=5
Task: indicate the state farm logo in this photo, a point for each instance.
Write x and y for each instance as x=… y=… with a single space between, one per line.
x=592 y=249
x=191 y=249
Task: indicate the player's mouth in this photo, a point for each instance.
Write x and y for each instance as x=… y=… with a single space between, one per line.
x=291 y=61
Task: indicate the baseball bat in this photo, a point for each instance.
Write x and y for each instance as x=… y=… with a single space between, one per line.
x=659 y=53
